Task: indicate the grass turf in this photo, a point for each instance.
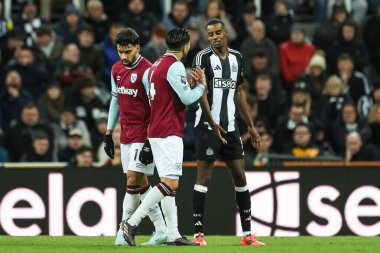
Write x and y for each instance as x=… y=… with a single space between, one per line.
x=217 y=244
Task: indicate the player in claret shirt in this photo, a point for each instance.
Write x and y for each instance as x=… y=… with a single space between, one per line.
x=130 y=103
x=169 y=92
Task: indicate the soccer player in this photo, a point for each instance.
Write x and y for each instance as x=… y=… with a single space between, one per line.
x=224 y=76
x=130 y=103
x=169 y=92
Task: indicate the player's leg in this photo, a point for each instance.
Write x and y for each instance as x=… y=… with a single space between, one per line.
x=207 y=147
x=168 y=153
x=233 y=154
x=155 y=215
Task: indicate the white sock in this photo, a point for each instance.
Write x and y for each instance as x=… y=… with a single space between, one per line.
x=155 y=195
x=169 y=208
x=155 y=214
x=245 y=233
x=130 y=204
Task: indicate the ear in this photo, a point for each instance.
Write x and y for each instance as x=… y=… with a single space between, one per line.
x=138 y=47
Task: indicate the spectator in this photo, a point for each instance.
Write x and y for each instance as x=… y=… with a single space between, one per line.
x=259 y=42
x=270 y=105
x=295 y=55
x=279 y=24
x=374 y=124
x=266 y=148
x=84 y=158
x=97 y=134
x=74 y=142
x=347 y=43
x=29 y=20
x=91 y=55
x=69 y=26
x=14 y=40
x=315 y=75
x=355 y=82
x=258 y=66
x=97 y=19
x=137 y=18
x=40 y=151
x=49 y=46
x=20 y=136
x=34 y=75
x=179 y=16
x=331 y=102
x=358 y=150
x=286 y=124
x=68 y=121
x=301 y=96
x=109 y=50
x=85 y=102
x=371 y=36
x=13 y=99
x=243 y=24
x=328 y=32
x=303 y=145
x=157 y=44
x=214 y=9
x=68 y=69
x=358 y=8
x=346 y=123
x=194 y=46
x=51 y=103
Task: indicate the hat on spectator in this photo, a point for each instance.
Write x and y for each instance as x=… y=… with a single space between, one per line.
x=318 y=59
x=339 y=7
x=27 y=2
x=16 y=34
x=75 y=132
x=300 y=86
x=71 y=10
x=102 y=118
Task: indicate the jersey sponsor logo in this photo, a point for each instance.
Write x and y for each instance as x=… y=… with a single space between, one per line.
x=224 y=83
x=217 y=67
x=133 y=77
x=126 y=91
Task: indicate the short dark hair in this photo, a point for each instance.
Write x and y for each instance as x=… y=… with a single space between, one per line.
x=344 y=57
x=127 y=36
x=177 y=38
x=41 y=136
x=84 y=149
x=215 y=21
x=43 y=30
x=87 y=28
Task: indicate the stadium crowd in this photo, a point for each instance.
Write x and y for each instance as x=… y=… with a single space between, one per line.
x=312 y=71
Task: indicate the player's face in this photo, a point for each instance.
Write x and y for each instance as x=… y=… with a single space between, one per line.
x=217 y=35
x=128 y=54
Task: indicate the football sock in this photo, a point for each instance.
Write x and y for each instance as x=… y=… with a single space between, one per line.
x=169 y=208
x=154 y=213
x=131 y=201
x=155 y=195
x=199 y=195
x=243 y=200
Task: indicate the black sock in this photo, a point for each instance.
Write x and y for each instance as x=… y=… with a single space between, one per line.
x=243 y=200
x=198 y=210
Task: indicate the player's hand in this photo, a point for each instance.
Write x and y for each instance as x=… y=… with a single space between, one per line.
x=255 y=137
x=219 y=131
x=146 y=155
x=109 y=146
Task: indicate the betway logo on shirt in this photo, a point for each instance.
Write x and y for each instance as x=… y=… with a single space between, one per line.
x=126 y=91
x=224 y=83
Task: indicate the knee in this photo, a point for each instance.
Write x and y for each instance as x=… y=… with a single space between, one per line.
x=133 y=179
x=240 y=180
x=204 y=179
x=172 y=183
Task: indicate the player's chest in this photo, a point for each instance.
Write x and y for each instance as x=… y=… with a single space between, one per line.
x=128 y=79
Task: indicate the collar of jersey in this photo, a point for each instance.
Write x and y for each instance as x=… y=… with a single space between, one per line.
x=213 y=51
x=134 y=65
x=171 y=55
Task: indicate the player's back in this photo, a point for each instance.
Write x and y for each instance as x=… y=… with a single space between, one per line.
x=167 y=110
x=133 y=100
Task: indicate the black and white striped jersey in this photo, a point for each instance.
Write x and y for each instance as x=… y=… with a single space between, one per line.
x=223 y=77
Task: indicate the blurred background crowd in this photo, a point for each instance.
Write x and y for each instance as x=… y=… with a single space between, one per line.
x=312 y=69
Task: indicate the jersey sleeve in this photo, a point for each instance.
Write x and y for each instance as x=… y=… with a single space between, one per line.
x=145 y=81
x=199 y=61
x=177 y=78
x=240 y=79
x=113 y=114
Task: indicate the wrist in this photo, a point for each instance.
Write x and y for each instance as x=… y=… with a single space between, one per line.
x=109 y=132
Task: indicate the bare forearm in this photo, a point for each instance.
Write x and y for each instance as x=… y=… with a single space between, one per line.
x=243 y=107
x=206 y=109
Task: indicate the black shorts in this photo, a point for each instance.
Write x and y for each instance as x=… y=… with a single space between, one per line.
x=210 y=148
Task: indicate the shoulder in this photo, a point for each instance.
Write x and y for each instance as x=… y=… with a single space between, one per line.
x=235 y=52
x=117 y=66
x=201 y=54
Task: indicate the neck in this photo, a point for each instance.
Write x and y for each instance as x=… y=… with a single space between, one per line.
x=221 y=52
x=177 y=54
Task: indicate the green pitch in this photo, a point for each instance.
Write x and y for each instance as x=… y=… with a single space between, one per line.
x=217 y=244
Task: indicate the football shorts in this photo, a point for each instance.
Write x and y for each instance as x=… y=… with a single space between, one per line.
x=130 y=159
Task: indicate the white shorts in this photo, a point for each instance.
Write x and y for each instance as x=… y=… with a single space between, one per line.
x=130 y=159
x=168 y=156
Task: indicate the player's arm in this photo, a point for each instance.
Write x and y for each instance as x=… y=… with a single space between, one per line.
x=241 y=99
x=177 y=78
x=113 y=116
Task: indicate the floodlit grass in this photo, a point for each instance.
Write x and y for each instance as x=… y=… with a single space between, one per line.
x=217 y=244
